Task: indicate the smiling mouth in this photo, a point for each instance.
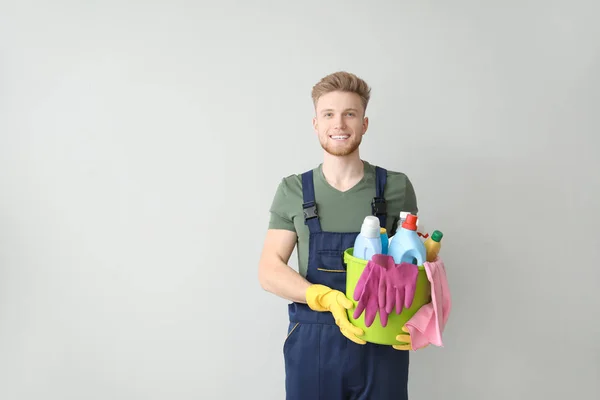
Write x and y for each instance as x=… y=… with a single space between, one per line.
x=339 y=137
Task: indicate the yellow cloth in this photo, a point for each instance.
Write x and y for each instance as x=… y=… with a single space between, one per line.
x=322 y=298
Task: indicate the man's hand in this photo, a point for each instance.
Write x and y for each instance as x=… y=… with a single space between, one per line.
x=322 y=298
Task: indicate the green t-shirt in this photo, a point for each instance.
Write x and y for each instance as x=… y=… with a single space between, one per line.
x=338 y=211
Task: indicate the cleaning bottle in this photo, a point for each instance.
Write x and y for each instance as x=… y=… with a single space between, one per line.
x=368 y=241
x=406 y=246
x=402 y=218
x=403 y=215
x=384 y=241
x=433 y=245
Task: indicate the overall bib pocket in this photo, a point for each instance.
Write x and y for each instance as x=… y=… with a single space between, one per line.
x=330 y=261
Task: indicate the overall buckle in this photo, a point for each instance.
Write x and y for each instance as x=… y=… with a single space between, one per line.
x=379 y=206
x=310 y=210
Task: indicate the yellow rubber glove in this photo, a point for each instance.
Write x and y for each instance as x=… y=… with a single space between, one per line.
x=322 y=298
x=405 y=340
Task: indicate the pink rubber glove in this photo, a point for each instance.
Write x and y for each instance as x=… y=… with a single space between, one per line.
x=366 y=292
x=388 y=265
x=368 y=289
x=397 y=288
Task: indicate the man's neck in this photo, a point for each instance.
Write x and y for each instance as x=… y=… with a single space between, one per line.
x=343 y=172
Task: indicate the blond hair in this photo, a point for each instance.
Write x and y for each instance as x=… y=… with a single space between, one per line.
x=344 y=82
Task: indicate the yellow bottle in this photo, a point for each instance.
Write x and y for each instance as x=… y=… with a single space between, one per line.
x=433 y=245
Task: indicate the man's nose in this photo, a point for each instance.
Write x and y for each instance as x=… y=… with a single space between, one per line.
x=340 y=123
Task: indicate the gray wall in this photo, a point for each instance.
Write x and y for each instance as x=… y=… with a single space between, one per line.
x=141 y=144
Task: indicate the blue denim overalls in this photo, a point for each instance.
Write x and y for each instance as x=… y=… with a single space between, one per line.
x=321 y=363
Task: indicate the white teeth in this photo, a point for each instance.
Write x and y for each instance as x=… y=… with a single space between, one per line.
x=340 y=137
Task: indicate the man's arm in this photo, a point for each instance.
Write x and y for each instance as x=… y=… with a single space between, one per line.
x=274 y=274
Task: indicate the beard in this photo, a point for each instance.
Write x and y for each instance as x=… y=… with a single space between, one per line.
x=341 y=149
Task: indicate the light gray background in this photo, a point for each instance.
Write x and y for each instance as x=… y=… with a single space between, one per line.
x=141 y=144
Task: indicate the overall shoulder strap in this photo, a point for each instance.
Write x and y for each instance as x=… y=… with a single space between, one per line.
x=378 y=205
x=311 y=217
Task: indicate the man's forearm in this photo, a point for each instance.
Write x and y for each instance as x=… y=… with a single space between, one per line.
x=280 y=279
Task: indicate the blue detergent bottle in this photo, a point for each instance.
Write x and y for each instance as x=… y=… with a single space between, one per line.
x=406 y=246
x=385 y=241
x=368 y=241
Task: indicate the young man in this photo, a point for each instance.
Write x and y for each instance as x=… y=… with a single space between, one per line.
x=321 y=211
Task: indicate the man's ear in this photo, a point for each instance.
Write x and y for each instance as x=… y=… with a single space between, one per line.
x=315 y=124
x=365 y=124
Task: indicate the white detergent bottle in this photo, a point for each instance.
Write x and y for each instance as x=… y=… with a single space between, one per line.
x=368 y=241
x=406 y=246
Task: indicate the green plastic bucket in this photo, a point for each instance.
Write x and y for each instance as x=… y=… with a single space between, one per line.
x=377 y=333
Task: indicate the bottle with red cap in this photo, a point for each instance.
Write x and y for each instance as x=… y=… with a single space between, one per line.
x=405 y=245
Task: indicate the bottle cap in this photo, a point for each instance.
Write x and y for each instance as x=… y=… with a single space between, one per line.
x=383 y=230
x=403 y=215
x=437 y=236
x=370 y=227
x=410 y=223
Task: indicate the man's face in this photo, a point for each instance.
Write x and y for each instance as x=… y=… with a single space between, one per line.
x=340 y=122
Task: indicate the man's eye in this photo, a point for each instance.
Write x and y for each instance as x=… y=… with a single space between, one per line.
x=351 y=114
